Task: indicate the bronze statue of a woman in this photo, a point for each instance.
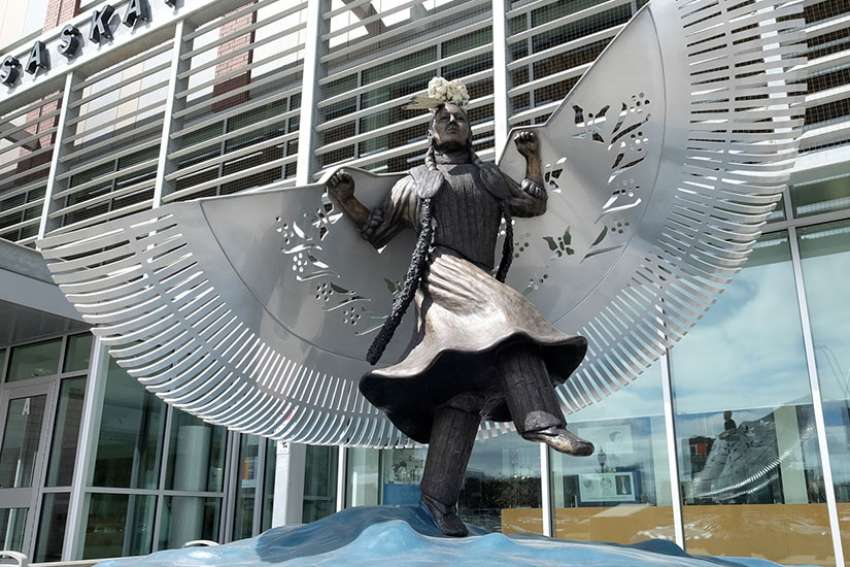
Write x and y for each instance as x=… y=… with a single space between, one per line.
x=481 y=350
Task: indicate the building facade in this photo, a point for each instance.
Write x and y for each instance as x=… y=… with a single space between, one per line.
x=735 y=443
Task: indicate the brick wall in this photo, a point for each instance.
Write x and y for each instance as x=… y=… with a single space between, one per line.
x=58 y=12
x=234 y=67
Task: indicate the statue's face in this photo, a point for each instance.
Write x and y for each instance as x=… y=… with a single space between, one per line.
x=450 y=127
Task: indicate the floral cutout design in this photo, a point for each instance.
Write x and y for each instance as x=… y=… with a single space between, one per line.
x=302 y=241
x=622 y=134
x=551 y=174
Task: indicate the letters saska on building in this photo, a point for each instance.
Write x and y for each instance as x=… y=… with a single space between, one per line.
x=70 y=39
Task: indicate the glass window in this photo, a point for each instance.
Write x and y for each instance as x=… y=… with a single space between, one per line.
x=38 y=359
x=13 y=522
x=19 y=449
x=187 y=518
x=821 y=197
x=51 y=527
x=77 y=353
x=362 y=477
x=131 y=429
x=388 y=477
x=622 y=492
x=119 y=525
x=319 y=483
x=502 y=489
x=195 y=455
x=749 y=465
x=243 y=523
x=66 y=431
x=825 y=256
x=268 y=484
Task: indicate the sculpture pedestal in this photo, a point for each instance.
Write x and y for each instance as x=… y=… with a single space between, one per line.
x=406 y=535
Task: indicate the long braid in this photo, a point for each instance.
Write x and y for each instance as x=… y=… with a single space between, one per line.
x=408 y=290
x=418 y=262
x=508 y=244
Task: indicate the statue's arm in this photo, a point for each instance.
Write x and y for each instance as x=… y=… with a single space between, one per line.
x=528 y=199
x=380 y=224
x=341 y=189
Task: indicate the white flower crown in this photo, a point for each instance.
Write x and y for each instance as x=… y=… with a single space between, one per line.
x=440 y=91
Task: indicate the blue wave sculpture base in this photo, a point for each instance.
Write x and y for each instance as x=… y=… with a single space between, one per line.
x=406 y=535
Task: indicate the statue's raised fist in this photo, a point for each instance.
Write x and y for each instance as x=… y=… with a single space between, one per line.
x=527 y=144
x=340 y=186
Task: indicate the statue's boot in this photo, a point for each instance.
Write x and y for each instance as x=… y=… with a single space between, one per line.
x=533 y=404
x=452 y=436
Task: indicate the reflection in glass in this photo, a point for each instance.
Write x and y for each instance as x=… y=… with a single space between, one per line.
x=51 y=527
x=66 y=431
x=119 y=525
x=388 y=477
x=187 y=518
x=821 y=197
x=502 y=489
x=319 y=483
x=19 y=449
x=131 y=428
x=77 y=353
x=249 y=451
x=362 y=477
x=825 y=257
x=749 y=464
x=195 y=455
x=268 y=485
x=13 y=522
x=622 y=492
x=37 y=359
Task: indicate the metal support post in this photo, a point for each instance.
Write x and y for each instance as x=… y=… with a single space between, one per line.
x=672 y=451
x=86 y=452
x=546 y=491
x=170 y=124
x=289 y=484
x=341 y=471
x=68 y=111
x=314 y=48
x=501 y=83
x=817 y=399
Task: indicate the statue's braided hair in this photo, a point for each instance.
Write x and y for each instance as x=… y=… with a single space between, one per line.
x=421 y=255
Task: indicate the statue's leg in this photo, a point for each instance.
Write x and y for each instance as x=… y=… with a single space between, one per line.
x=452 y=437
x=533 y=404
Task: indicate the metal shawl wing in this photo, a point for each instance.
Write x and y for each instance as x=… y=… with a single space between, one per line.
x=253 y=311
x=662 y=164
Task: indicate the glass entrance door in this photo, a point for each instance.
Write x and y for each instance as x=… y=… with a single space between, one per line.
x=24 y=439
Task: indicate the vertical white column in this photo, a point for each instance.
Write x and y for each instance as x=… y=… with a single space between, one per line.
x=817 y=400
x=67 y=112
x=341 y=471
x=179 y=67
x=289 y=483
x=546 y=491
x=314 y=48
x=788 y=443
x=672 y=452
x=86 y=452
x=501 y=84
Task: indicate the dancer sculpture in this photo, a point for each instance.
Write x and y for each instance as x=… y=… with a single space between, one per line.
x=656 y=173
x=481 y=350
